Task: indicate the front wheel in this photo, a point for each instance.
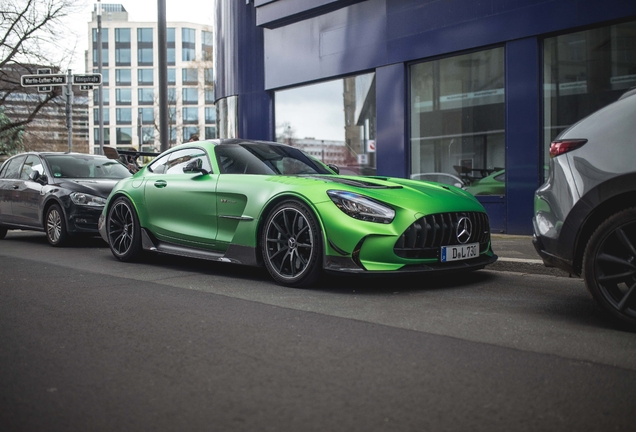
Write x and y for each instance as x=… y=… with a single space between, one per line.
x=609 y=266
x=292 y=244
x=123 y=230
x=56 y=232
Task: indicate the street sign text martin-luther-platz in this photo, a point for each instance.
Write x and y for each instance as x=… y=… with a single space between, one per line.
x=43 y=80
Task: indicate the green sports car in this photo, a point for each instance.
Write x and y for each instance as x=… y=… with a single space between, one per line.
x=263 y=203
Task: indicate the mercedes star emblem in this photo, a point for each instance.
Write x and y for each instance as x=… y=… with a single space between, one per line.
x=464 y=230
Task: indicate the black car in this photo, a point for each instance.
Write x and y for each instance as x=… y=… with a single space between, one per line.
x=61 y=194
x=585 y=213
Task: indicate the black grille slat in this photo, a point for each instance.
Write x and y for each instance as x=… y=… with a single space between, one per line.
x=424 y=237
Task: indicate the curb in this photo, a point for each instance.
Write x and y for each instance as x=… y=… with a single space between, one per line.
x=530 y=266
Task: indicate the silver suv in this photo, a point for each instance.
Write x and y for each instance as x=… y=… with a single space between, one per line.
x=585 y=213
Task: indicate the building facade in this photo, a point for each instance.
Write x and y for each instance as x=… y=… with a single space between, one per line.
x=471 y=91
x=130 y=81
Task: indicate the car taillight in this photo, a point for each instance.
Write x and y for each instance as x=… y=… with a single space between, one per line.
x=563 y=146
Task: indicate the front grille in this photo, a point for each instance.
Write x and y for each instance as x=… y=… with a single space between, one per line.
x=426 y=235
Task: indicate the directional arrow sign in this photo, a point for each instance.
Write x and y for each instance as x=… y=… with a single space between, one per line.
x=43 y=80
x=87 y=79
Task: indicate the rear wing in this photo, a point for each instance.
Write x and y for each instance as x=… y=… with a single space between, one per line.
x=128 y=157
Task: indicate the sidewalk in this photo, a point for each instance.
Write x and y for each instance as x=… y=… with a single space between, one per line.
x=516 y=253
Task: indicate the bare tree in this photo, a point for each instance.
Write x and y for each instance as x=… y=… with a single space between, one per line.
x=31 y=37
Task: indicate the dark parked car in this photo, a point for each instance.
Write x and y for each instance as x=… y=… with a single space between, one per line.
x=585 y=213
x=61 y=194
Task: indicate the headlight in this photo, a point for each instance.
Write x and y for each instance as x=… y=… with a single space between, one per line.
x=360 y=207
x=87 y=200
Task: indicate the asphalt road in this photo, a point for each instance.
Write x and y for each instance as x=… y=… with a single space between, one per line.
x=91 y=344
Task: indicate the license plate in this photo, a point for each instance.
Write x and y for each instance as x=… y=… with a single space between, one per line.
x=460 y=252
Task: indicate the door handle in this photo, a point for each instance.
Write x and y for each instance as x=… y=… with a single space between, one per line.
x=15 y=186
x=161 y=184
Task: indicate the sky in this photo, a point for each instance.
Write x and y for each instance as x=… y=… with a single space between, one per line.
x=76 y=25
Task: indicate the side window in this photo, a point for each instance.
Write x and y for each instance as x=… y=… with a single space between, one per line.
x=180 y=158
x=159 y=165
x=32 y=162
x=12 y=170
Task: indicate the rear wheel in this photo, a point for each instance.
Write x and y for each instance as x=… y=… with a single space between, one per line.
x=609 y=266
x=55 y=226
x=123 y=230
x=291 y=244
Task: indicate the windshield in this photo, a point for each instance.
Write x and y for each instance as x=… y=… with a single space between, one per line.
x=267 y=159
x=85 y=166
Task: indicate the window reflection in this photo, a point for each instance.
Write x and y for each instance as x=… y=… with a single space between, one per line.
x=333 y=121
x=583 y=72
x=457 y=121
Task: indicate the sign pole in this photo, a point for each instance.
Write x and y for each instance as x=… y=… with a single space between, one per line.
x=69 y=109
x=100 y=88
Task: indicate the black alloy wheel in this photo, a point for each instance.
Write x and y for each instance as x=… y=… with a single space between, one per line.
x=55 y=226
x=291 y=244
x=123 y=230
x=609 y=266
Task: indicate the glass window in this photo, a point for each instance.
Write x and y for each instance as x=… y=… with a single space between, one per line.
x=104 y=47
x=311 y=118
x=144 y=35
x=190 y=115
x=123 y=96
x=190 y=76
x=124 y=135
x=210 y=132
x=172 y=76
x=172 y=95
x=188 y=47
x=146 y=96
x=188 y=131
x=457 y=119
x=32 y=162
x=145 y=77
x=105 y=113
x=124 y=115
x=173 y=163
x=147 y=135
x=123 y=77
x=171 y=56
x=12 y=168
x=106 y=136
x=209 y=95
x=207 y=45
x=105 y=76
x=105 y=93
x=190 y=96
x=122 y=35
x=208 y=74
x=147 y=115
x=144 y=56
x=170 y=35
x=583 y=72
x=172 y=115
x=210 y=114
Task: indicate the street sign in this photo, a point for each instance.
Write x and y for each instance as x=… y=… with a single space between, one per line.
x=87 y=79
x=43 y=80
x=45 y=89
x=86 y=87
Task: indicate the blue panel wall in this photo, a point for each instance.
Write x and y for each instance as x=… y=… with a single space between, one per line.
x=390 y=89
x=523 y=99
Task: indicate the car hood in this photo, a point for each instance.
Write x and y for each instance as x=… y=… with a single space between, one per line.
x=97 y=187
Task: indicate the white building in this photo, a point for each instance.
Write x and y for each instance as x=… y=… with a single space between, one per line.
x=130 y=78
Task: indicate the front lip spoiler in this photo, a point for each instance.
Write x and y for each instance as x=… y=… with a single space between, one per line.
x=336 y=265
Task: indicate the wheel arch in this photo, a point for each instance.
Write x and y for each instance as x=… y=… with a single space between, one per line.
x=267 y=208
x=605 y=200
x=47 y=205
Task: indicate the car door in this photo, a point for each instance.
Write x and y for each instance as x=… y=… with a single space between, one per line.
x=28 y=195
x=181 y=207
x=9 y=183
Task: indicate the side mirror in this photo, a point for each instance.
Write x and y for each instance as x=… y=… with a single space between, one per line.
x=38 y=178
x=334 y=168
x=195 y=166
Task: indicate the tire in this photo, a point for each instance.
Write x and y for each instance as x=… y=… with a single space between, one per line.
x=55 y=226
x=123 y=230
x=291 y=245
x=609 y=267
x=3 y=232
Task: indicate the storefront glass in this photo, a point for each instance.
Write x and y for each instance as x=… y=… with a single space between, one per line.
x=583 y=72
x=457 y=121
x=334 y=121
